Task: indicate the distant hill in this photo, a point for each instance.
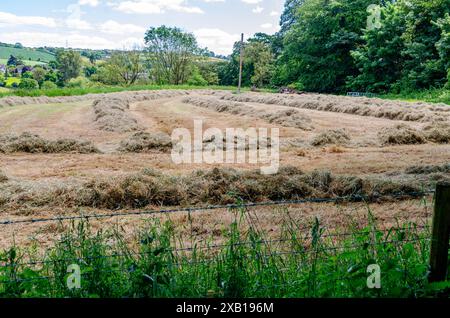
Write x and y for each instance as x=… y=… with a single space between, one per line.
x=26 y=54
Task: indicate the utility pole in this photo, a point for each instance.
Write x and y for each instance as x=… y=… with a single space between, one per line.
x=241 y=61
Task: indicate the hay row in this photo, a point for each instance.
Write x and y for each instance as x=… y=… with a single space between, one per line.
x=216 y=186
x=31 y=143
x=362 y=106
x=144 y=142
x=404 y=135
x=286 y=118
x=131 y=97
x=111 y=115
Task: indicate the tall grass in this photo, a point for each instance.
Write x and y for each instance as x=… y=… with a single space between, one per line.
x=159 y=263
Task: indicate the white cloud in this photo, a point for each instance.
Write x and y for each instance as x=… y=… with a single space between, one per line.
x=251 y=1
x=274 y=13
x=258 y=10
x=74 y=20
x=10 y=19
x=154 y=6
x=266 y=25
x=92 y=3
x=113 y=27
x=216 y=40
x=74 y=40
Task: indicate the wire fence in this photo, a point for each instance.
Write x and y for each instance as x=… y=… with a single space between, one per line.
x=278 y=249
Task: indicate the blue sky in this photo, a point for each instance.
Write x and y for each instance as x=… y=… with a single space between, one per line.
x=122 y=23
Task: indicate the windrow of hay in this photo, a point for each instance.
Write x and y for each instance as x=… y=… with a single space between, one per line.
x=144 y=142
x=331 y=137
x=111 y=115
x=3 y=177
x=31 y=143
x=216 y=186
x=428 y=169
x=286 y=118
x=438 y=132
x=401 y=135
x=131 y=96
x=362 y=106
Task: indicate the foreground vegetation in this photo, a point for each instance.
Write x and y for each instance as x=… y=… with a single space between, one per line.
x=305 y=261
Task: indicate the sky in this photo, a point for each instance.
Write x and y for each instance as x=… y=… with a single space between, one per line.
x=121 y=24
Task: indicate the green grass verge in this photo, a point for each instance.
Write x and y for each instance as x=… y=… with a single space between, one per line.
x=245 y=265
x=431 y=96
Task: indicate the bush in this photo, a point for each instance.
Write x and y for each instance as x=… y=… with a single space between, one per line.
x=79 y=82
x=28 y=83
x=49 y=85
x=27 y=74
x=197 y=79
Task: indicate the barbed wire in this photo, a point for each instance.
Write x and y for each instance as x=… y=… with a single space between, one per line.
x=228 y=245
x=339 y=199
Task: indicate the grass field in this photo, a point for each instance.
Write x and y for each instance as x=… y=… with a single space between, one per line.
x=26 y=54
x=73 y=157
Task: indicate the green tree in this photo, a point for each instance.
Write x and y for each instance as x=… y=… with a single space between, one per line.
x=380 y=60
x=28 y=83
x=69 y=64
x=127 y=66
x=317 y=47
x=260 y=55
x=39 y=74
x=170 y=54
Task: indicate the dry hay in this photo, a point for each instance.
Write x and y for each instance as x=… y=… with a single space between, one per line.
x=438 y=132
x=30 y=143
x=111 y=115
x=401 y=135
x=362 y=106
x=286 y=118
x=289 y=118
x=144 y=142
x=331 y=137
x=130 y=96
x=216 y=186
x=3 y=177
x=428 y=169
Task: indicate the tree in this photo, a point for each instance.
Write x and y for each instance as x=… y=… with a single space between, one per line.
x=39 y=74
x=28 y=83
x=127 y=65
x=380 y=59
x=12 y=61
x=69 y=64
x=289 y=16
x=260 y=55
x=170 y=54
x=317 y=46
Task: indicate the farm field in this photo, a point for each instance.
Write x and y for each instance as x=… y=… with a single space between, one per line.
x=26 y=54
x=329 y=145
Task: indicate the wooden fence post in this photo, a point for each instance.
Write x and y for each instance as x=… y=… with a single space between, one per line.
x=241 y=61
x=440 y=233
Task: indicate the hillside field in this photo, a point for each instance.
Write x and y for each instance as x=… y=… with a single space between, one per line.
x=29 y=56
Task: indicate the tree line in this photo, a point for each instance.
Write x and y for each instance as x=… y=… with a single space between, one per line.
x=329 y=46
